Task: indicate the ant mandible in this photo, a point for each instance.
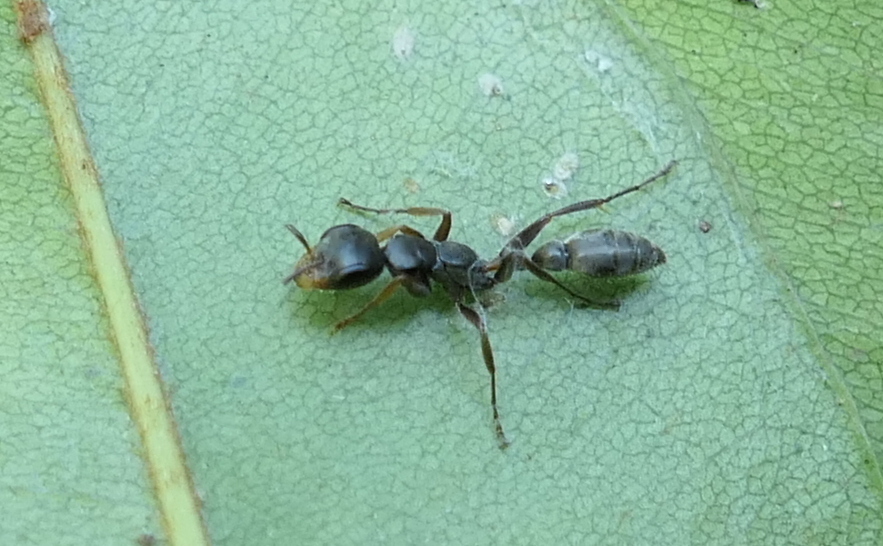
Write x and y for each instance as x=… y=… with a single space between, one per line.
x=348 y=256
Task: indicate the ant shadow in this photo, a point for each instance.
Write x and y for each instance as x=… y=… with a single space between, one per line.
x=322 y=310
x=597 y=289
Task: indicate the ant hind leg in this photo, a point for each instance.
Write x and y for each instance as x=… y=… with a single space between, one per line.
x=542 y=274
x=526 y=236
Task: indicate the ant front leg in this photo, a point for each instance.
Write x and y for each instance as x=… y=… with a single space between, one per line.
x=441 y=234
x=487 y=352
x=384 y=295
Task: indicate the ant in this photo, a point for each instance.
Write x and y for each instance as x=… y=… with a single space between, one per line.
x=348 y=256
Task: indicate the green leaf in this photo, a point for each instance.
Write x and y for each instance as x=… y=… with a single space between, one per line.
x=70 y=456
x=734 y=399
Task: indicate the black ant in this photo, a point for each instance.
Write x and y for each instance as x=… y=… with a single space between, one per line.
x=347 y=256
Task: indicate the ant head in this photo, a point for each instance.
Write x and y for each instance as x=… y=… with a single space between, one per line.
x=346 y=256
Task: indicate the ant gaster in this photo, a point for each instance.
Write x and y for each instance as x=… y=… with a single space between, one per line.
x=348 y=256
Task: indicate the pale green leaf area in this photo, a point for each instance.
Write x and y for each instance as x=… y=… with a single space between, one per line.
x=70 y=462
x=794 y=95
x=730 y=401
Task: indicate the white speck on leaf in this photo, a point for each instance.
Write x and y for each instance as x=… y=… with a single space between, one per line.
x=554 y=187
x=602 y=63
x=403 y=43
x=449 y=165
x=503 y=224
x=566 y=166
x=491 y=85
x=411 y=185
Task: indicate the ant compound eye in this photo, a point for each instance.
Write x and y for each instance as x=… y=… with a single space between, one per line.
x=345 y=257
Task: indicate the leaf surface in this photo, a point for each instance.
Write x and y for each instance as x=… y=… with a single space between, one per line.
x=734 y=399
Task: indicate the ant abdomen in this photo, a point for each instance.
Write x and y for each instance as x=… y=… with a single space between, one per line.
x=600 y=253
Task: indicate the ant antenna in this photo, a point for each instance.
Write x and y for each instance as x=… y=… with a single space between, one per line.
x=300 y=237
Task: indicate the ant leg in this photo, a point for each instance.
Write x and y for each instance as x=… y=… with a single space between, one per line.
x=544 y=275
x=478 y=321
x=384 y=295
x=441 y=234
x=528 y=234
x=595 y=203
x=505 y=266
x=389 y=232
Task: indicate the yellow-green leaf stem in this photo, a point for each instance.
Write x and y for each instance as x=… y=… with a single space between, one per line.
x=149 y=406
